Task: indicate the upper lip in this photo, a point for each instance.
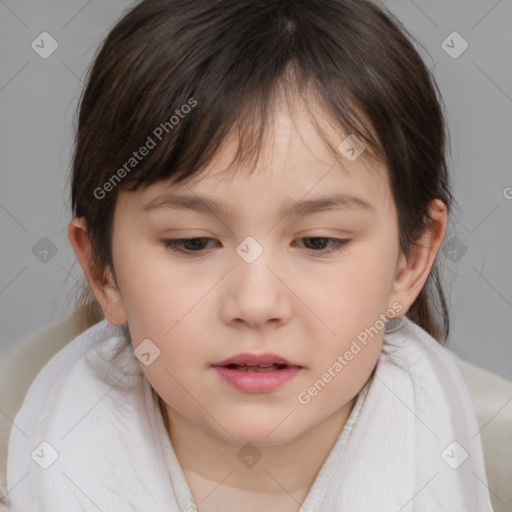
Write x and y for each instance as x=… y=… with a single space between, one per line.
x=255 y=359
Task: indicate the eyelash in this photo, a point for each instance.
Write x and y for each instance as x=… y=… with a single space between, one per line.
x=173 y=244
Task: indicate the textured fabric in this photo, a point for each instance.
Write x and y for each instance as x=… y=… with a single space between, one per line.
x=414 y=447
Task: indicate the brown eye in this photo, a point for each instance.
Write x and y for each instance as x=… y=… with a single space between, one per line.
x=321 y=244
x=186 y=245
x=190 y=246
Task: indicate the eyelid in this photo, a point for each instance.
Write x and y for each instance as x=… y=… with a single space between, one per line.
x=338 y=244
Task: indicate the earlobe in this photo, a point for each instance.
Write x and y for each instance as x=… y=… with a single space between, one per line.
x=102 y=285
x=412 y=271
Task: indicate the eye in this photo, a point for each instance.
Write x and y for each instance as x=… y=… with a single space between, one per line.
x=190 y=246
x=319 y=244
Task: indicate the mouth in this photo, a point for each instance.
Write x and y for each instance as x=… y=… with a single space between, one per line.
x=257 y=368
x=256 y=373
x=256 y=362
x=261 y=378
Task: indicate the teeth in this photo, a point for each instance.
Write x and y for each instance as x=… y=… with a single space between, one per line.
x=259 y=368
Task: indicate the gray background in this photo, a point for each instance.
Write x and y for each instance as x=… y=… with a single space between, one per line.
x=37 y=103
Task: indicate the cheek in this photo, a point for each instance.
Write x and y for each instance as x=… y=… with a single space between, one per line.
x=352 y=309
x=162 y=305
x=181 y=353
x=344 y=360
x=342 y=379
x=155 y=293
x=370 y=272
x=356 y=298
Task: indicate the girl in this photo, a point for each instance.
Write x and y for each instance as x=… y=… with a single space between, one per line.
x=259 y=194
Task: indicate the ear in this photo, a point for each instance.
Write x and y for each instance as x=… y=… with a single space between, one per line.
x=412 y=272
x=103 y=286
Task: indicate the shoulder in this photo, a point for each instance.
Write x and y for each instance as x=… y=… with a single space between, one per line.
x=76 y=369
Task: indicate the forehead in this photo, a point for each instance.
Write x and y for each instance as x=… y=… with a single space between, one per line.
x=293 y=162
x=297 y=137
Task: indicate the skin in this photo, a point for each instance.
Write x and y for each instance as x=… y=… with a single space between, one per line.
x=304 y=305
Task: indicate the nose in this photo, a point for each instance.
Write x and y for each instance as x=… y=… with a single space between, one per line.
x=256 y=294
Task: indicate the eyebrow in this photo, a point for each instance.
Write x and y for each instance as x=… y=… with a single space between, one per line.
x=294 y=208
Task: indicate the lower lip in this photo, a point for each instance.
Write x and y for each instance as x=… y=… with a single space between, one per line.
x=257 y=382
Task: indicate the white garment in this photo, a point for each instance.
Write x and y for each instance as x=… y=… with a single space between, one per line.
x=406 y=451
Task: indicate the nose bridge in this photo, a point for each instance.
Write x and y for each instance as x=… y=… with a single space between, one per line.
x=255 y=294
x=252 y=272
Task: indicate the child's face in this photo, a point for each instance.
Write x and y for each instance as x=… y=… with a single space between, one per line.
x=305 y=306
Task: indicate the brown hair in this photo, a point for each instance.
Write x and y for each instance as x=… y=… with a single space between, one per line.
x=228 y=59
